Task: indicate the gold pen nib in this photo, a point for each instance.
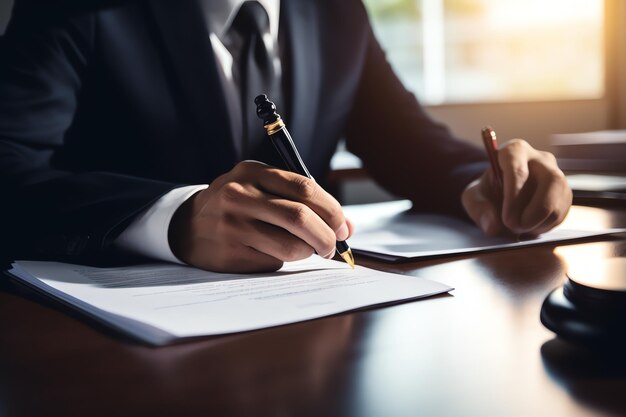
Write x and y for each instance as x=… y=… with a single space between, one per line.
x=348 y=257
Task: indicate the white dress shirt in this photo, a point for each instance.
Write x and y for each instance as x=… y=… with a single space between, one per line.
x=148 y=233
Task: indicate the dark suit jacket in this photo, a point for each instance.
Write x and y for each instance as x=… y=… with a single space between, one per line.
x=106 y=106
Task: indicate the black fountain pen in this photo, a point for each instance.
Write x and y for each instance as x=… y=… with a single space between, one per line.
x=281 y=139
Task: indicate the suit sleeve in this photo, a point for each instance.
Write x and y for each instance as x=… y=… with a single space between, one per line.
x=402 y=148
x=47 y=211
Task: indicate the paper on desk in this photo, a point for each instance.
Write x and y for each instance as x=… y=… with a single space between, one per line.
x=387 y=231
x=589 y=182
x=601 y=188
x=158 y=303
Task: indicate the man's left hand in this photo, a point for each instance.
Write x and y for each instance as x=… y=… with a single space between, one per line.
x=534 y=198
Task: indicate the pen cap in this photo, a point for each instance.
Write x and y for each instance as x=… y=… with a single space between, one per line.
x=265 y=109
x=279 y=136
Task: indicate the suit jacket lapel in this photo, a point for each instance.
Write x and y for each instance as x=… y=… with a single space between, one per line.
x=299 y=18
x=184 y=34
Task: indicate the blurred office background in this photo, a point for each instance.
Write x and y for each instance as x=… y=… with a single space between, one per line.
x=529 y=68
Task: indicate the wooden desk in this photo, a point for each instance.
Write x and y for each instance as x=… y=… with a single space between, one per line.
x=478 y=352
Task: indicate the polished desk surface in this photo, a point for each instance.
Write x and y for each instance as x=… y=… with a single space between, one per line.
x=480 y=351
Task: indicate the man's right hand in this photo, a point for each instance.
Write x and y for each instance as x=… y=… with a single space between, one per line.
x=254 y=218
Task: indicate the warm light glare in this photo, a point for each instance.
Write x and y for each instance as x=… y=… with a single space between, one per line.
x=531 y=13
x=494 y=50
x=584 y=260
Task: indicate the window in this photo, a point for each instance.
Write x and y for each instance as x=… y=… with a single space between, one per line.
x=462 y=51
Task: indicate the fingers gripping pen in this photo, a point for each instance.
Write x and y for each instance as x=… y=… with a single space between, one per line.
x=281 y=139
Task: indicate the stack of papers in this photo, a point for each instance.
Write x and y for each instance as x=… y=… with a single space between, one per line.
x=160 y=303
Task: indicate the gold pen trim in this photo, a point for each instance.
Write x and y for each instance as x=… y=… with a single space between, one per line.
x=274 y=127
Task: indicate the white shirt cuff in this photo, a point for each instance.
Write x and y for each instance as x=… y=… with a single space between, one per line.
x=147 y=235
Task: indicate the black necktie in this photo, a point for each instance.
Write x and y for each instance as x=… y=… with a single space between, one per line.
x=254 y=69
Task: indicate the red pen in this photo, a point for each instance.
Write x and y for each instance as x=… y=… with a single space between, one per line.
x=491 y=146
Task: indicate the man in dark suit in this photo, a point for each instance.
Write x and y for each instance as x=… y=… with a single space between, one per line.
x=116 y=115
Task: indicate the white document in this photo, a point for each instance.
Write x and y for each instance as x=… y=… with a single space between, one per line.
x=388 y=231
x=598 y=187
x=159 y=303
x=589 y=182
